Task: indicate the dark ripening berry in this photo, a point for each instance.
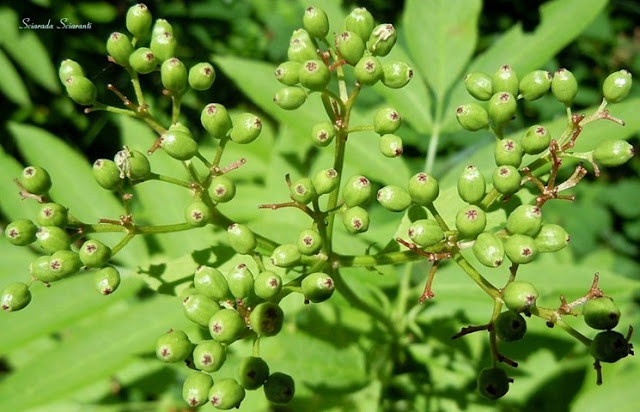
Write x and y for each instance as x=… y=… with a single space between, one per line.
x=506 y=180
x=394 y=198
x=240 y=281
x=226 y=394
x=173 y=346
x=215 y=120
x=489 y=250
x=525 y=220
x=94 y=254
x=267 y=285
x=551 y=238
x=350 y=47
x=286 y=255
x=201 y=76
x=21 y=232
x=195 y=389
x=179 y=145
x=290 y=98
x=143 y=60
x=279 y=388
x=314 y=75
x=470 y=221
x=309 y=242
x=266 y=319
x=163 y=45
x=14 y=297
x=209 y=356
x=138 y=20
x=520 y=249
x=383 y=38
x=357 y=191
x=508 y=152
x=173 y=74
x=493 y=383
x=368 y=70
x=316 y=22
x=505 y=80
x=613 y=153
x=212 y=283
x=197 y=213
x=317 y=287
x=471 y=185
x=226 y=326
x=610 y=346
x=360 y=21
x=501 y=108
x=106 y=174
x=69 y=68
x=106 y=280
x=323 y=133
x=288 y=73
x=472 y=117
x=199 y=308
x=253 y=372
x=246 y=128
x=356 y=220
x=396 y=74
x=64 y=263
x=601 y=313
x=520 y=296
x=241 y=238
x=564 y=86
x=52 y=238
x=479 y=85
x=391 y=145
x=536 y=139
x=222 y=189
x=423 y=189
x=325 y=181
x=425 y=232
x=386 y=120
x=119 y=48
x=535 y=84
x=302 y=191
x=617 y=86
x=35 y=180
x=510 y=326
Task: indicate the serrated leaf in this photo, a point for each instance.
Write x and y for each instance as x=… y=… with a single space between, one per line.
x=11 y=83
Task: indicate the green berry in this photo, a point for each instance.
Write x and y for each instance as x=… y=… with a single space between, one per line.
x=425 y=232
x=138 y=20
x=173 y=74
x=613 y=153
x=199 y=308
x=394 y=198
x=279 y=388
x=368 y=70
x=493 y=383
x=94 y=254
x=143 y=60
x=471 y=185
x=106 y=174
x=564 y=86
x=309 y=242
x=302 y=191
x=81 y=90
x=64 y=263
x=226 y=394
x=601 y=313
x=314 y=75
x=179 y=145
x=266 y=319
x=195 y=389
x=470 y=221
x=383 y=38
x=316 y=22
x=535 y=84
x=222 y=189
x=288 y=73
x=617 y=86
x=119 y=48
x=267 y=285
x=290 y=98
x=241 y=238
x=21 y=232
x=132 y=164
x=325 y=181
x=246 y=128
x=386 y=120
x=163 y=45
x=505 y=80
x=360 y=21
x=396 y=74
x=323 y=133
x=226 y=326
x=253 y=372
x=350 y=46
x=506 y=180
x=520 y=249
x=317 y=287
x=479 y=85
x=423 y=188
x=510 y=326
x=209 y=356
x=211 y=282
x=201 y=76
x=52 y=238
x=173 y=346
x=357 y=191
x=40 y=270
x=69 y=68
x=472 y=117
x=215 y=120
x=488 y=249
x=391 y=145
x=520 y=296
x=107 y=280
x=356 y=220
x=536 y=139
x=14 y=297
x=240 y=281
x=610 y=346
x=301 y=47
x=501 y=108
x=35 y=180
x=197 y=213
x=286 y=255
x=551 y=238
x=525 y=220
x=508 y=152
x=161 y=26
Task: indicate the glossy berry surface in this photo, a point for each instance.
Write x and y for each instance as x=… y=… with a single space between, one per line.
x=195 y=389
x=564 y=86
x=617 y=86
x=525 y=220
x=501 y=108
x=226 y=326
x=382 y=39
x=316 y=22
x=209 y=356
x=21 y=232
x=551 y=238
x=323 y=133
x=357 y=191
x=226 y=394
x=211 y=282
x=252 y=372
x=493 y=383
x=489 y=249
x=173 y=346
x=613 y=153
x=505 y=79
x=479 y=85
x=317 y=287
x=35 y=180
x=520 y=296
x=472 y=116
x=325 y=181
x=396 y=74
x=106 y=173
x=267 y=285
x=246 y=128
x=119 y=48
x=510 y=326
x=288 y=73
x=386 y=120
x=290 y=98
x=309 y=242
x=391 y=145
x=94 y=254
x=536 y=139
x=506 y=180
x=266 y=319
x=240 y=281
x=314 y=75
x=14 y=297
x=106 y=280
x=173 y=74
x=179 y=145
x=197 y=213
x=201 y=76
x=241 y=238
x=199 y=308
x=360 y=21
x=138 y=20
x=215 y=120
x=52 y=238
x=470 y=221
x=520 y=249
x=368 y=70
x=423 y=188
x=471 y=185
x=535 y=84
x=286 y=255
x=302 y=191
x=601 y=313
x=610 y=346
x=350 y=46
x=222 y=189
x=508 y=152
x=425 y=232
x=394 y=198
x=279 y=388
x=81 y=90
x=356 y=220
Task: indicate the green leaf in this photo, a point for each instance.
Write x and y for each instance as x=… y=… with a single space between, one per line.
x=11 y=84
x=12 y=205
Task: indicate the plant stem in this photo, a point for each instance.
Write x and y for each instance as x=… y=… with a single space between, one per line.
x=433 y=147
x=476 y=276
